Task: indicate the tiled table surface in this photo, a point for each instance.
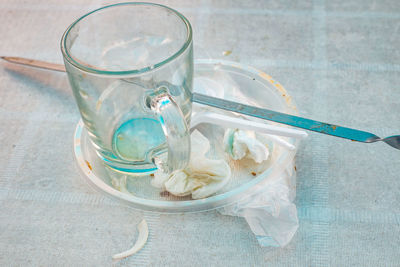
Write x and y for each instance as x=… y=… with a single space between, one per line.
x=340 y=60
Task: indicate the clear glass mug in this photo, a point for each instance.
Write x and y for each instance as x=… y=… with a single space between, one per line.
x=130 y=66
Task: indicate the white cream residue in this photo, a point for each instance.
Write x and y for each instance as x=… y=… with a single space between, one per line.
x=239 y=144
x=201 y=178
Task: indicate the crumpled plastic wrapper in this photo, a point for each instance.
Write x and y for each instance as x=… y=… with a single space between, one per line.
x=269 y=211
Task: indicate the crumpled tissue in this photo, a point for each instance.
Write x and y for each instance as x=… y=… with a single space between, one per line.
x=239 y=144
x=201 y=178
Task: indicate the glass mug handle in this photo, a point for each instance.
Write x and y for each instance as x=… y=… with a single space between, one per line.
x=175 y=129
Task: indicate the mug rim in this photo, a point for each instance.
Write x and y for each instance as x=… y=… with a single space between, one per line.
x=67 y=56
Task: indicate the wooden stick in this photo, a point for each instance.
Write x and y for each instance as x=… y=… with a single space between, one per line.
x=35 y=63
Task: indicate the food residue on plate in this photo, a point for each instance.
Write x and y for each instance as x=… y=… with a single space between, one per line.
x=165 y=194
x=227 y=52
x=89 y=166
